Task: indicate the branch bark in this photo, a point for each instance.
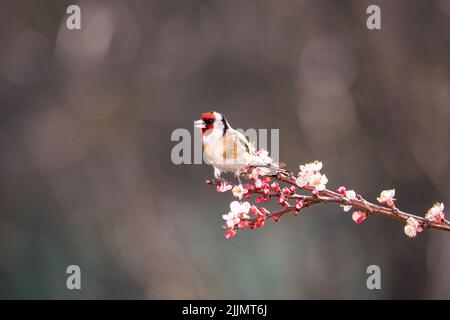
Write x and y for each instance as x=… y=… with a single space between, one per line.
x=323 y=197
x=366 y=206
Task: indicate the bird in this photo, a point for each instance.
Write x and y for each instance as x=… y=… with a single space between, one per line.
x=228 y=150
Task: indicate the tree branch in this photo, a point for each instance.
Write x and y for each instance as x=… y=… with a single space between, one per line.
x=371 y=208
x=243 y=215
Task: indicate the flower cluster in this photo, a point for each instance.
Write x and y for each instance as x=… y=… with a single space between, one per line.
x=387 y=197
x=436 y=213
x=243 y=215
x=349 y=194
x=224 y=187
x=238 y=210
x=239 y=191
x=310 y=177
x=412 y=227
x=359 y=216
x=285 y=189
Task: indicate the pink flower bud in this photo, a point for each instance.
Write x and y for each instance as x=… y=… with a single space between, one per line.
x=266 y=192
x=259 y=224
x=359 y=216
x=292 y=189
x=390 y=203
x=230 y=233
x=342 y=191
x=261 y=219
x=253 y=210
x=387 y=197
x=259 y=199
x=249 y=187
x=286 y=191
x=315 y=193
x=266 y=179
x=258 y=184
x=275 y=187
x=243 y=224
x=298 y=204
x=264 y=211
x=276 y=218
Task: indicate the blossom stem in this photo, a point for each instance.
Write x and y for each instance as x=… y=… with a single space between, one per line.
x=271 y=215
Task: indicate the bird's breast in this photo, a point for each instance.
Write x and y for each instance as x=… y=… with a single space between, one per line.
x=226 y=153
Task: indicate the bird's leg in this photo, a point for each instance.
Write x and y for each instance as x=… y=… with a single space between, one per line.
x=237 y=174
x=219 y=179
x=217 y=173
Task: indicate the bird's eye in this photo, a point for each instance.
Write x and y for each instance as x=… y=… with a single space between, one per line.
x=208 y=121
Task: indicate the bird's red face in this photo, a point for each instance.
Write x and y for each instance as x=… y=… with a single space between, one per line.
x=206 y=122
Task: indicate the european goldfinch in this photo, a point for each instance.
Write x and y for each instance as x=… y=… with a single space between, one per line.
x=228 y=150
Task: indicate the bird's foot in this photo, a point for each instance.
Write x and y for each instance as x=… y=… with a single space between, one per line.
x=237 y=174
x=216 y=181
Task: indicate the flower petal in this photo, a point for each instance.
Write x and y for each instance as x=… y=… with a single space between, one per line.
x=235 y=206
x=245 y=207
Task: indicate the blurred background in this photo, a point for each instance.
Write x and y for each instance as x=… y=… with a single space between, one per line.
x=86 y=176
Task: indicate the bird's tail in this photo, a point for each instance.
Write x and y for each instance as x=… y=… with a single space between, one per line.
x=267 y=166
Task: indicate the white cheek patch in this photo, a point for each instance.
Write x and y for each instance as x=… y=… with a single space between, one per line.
x=215 y=134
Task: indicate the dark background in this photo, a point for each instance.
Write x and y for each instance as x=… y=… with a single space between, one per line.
x=86 y=176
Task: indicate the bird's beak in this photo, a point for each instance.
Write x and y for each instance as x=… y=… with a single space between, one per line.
x=200 y=124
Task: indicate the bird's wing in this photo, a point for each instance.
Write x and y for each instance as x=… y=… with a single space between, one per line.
x=243 y=142
x=253 y=159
